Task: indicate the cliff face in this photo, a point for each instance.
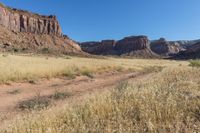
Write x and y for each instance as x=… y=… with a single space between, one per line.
x=129 y=46
x=105 y=47
x=23 y=21
x=132 y=43
x=192 y=52
x=165 y=48
x=22 y=31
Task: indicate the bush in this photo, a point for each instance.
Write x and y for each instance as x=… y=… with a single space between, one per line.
x=87 y=73
x=45 y=50
x=60 y=95
x=194 y=63
x=37 y=103
x=14 y=92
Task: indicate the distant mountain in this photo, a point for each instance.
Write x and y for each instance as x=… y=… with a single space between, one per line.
x=165 y=48
x=186 y=43
x=137 y=46
x=141 y=46
x=192 y=52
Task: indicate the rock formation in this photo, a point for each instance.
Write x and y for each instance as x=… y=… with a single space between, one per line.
x=28 y=32
x=23 y=31
x=90 y=47
x=186 y=43
x=23 y=21
x=192 y=52
x=165 y=48
x=129 y=46
x=105 y=47
x=132 y=43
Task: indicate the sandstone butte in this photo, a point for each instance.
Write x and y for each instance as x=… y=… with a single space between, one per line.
x=23 y=31
x=137 y=46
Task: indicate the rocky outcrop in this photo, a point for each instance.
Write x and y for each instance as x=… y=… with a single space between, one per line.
x=90 y=47
x=22 y=31
x=132 y=43
x=105 y=47
x=23 y=21
x=192 y=52
x=165 y=48
x=186 y=43
x=37 y=43
x=129 y=46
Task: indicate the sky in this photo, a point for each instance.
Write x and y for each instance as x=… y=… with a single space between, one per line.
x=92 y=20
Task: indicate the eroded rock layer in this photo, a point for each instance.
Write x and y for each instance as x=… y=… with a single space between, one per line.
x=23 y=21
x=165 y=48
x=129 y=46
x=36 y=43
x=192 y=52
x=22 y=31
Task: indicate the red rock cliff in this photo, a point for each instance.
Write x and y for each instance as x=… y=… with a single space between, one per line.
x=23 y=21
x=137 y=46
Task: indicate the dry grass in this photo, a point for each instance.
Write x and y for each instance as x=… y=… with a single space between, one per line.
x=14 y=92
x=166 y=102
x=30 y=68
x=42 y=102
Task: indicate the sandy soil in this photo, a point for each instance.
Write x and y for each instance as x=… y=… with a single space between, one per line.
x=79 y=86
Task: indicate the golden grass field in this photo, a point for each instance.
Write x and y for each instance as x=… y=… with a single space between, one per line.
x=20 y=68
x=165 y=101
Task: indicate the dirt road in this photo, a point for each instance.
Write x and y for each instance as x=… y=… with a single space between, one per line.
x=11 y=95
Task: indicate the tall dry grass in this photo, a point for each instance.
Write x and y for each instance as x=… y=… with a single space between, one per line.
x=164 y=102
x=18 y=68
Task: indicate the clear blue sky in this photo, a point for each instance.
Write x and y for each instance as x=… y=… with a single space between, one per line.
x=85 y=20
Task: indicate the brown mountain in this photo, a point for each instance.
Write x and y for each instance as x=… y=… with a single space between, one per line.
x=28 y=32
x=138 y=46
x=165 y=48
x=192 y=52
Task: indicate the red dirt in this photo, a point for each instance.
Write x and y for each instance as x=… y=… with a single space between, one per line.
x=78 y=87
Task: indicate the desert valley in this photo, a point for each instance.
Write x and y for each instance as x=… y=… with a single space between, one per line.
x=50 y=83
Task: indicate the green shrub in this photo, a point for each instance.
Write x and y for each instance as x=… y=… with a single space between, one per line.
x=194 y=63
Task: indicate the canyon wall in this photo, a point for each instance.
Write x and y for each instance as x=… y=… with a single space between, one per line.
x=166 y=48
x=132 y=43
x=138 y=46
x=192 y=52
x=23 y=31
x=23 y=21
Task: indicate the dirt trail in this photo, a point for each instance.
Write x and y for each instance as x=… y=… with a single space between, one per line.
x=11 y=95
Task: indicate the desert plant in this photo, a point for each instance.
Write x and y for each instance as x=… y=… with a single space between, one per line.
x=87 y=73
x=194 y=63
x=37 y=103
x=32 y=81
x=14 y=92
x=70 y=74
x=58 y=95
x=45 y=50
